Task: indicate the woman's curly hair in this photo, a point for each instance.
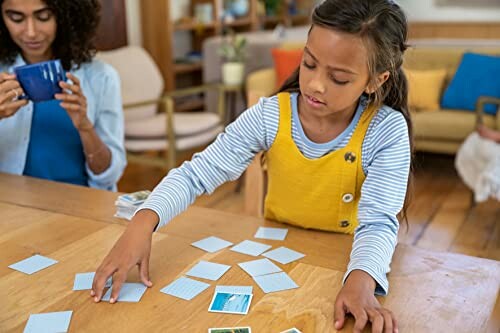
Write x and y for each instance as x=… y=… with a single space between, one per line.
x=77 y=22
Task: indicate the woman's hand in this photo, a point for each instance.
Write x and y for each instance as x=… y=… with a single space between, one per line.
x=10 y=89
x=357 y=298
x=74 y=102
x=133 y=248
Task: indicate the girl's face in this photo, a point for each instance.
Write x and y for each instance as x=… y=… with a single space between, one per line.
x=334 y=72
x=32 y=26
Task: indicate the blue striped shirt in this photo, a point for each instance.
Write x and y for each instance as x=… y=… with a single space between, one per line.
x=385 y=161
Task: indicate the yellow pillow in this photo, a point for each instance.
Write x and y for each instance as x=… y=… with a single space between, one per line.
x=425 y=88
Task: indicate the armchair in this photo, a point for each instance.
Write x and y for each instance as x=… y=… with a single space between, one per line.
x=154 y=131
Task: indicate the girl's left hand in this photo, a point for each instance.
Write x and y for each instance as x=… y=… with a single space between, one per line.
x=357 y=298
x=75 y=103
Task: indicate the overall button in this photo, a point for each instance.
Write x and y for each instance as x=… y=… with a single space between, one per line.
x=344 y=224
x=348 y=197
x=350 y=157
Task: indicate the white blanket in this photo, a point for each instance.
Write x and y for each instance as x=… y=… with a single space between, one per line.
x=478 y=164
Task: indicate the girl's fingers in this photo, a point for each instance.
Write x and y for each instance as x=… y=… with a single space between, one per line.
x=377 y=320
x=339 y=314
x=100 y=278
x=360 y=319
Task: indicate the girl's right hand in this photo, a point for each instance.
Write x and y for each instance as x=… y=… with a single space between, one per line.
x=132 y=248
x=10 y=89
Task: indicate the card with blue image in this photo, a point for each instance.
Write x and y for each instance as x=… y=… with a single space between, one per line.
x=251 y=248
x=33 y=264
x=259 y=267
x=48 y=322
x=283 y=255
x=291 y=330
x=212 y=244
x=230 y=303
x=208 y=270
x=185 y=288
x=271 y=233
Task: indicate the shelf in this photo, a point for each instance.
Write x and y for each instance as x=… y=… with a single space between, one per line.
x=299 y=18
x=181 y=68
x=165 y=22
x=238 y=22
x=271 y=19
x=189 y=26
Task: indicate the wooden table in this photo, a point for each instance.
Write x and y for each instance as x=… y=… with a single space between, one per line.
x=430 y=291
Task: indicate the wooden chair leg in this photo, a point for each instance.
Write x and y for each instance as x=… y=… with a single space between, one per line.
x=472 y=200
x=255 y=188
x=171 y=159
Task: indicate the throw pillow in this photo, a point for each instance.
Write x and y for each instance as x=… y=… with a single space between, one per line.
x=285 y=62
x=424 y=88
x=477 y=75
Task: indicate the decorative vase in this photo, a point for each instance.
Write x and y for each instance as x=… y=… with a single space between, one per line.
x=240 y=7
x=233 y=73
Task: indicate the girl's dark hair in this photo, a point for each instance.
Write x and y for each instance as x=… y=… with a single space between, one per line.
x=77 y=22
x=382 y=25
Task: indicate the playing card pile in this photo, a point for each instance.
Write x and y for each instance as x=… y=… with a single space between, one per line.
x=127 y=204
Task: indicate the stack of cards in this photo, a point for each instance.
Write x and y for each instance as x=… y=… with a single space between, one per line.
x=127 y=204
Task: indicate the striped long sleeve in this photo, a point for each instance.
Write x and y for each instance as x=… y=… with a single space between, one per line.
x=385 y=161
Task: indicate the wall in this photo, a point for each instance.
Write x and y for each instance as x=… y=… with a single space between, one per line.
x=133 y=22
x=427 y=10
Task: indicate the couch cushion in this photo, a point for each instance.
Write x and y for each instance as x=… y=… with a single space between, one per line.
x=477 y=75
x=285 y=62
x=182 y=143
x=447 y=124
x=425 y=88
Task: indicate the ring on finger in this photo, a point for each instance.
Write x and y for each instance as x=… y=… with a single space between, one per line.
x=15 y=92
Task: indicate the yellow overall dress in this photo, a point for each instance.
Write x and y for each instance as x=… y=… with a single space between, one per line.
x=320 y=193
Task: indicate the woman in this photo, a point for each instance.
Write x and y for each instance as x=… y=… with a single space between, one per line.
x=77 y=137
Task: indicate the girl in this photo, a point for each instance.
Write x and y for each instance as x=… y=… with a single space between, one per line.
x=78 y=137
x=338 y=148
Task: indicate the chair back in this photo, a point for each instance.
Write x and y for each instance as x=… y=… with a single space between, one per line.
x=141 y=79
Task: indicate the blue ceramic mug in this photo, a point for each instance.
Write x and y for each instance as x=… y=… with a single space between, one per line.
x=40 y=81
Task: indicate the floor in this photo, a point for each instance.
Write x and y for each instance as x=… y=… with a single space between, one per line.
x=441 y=215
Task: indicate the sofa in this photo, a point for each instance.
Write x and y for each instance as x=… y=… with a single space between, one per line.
x=436 y=130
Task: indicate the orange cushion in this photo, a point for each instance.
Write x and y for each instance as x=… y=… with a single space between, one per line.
x=285 y=62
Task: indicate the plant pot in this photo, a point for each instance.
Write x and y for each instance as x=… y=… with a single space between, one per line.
x=233 y=73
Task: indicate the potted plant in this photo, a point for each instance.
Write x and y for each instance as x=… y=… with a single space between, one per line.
x=272 y=7
x=233 y=52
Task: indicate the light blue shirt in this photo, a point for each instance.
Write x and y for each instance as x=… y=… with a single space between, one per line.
x=101 y=86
